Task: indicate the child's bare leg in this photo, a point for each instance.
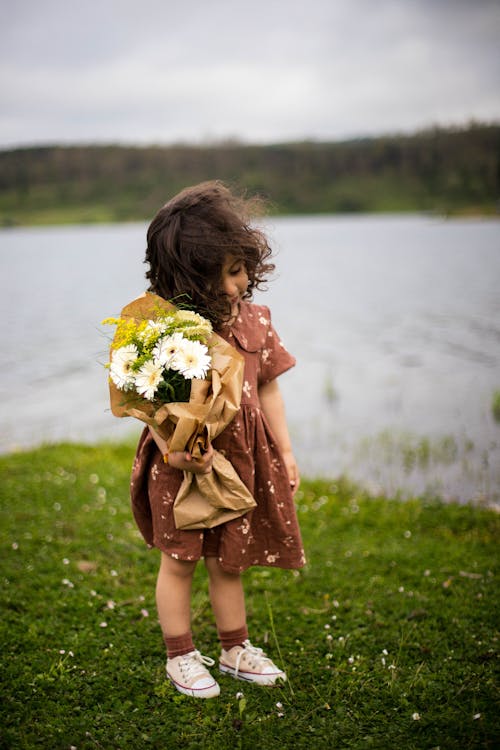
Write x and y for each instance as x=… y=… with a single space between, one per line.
x=227 y=597
x=186 y=667
x=238 y=657
x=173 y=595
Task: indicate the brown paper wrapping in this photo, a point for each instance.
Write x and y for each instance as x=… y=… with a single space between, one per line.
x=203 y=500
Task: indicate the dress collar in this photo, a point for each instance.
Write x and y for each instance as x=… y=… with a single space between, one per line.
x=250 y=327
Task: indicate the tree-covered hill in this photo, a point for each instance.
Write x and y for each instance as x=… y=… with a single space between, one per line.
x=440 y=170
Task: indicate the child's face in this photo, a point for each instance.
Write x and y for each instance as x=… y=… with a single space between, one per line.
x=234 y=281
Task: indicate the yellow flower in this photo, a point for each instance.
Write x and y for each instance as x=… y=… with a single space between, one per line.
x=126 y=333
x=195 y=325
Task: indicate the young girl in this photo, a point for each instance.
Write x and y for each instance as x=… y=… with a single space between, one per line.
x=200 y=245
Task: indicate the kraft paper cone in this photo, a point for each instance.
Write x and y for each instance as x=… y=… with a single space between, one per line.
x=203 y=500
x=226 y=494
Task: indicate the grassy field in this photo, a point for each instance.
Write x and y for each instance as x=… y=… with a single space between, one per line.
x=389 y=635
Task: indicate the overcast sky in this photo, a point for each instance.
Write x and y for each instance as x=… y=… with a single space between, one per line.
x=160 y=71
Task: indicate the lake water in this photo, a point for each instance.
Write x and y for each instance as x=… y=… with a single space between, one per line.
x=395 y=322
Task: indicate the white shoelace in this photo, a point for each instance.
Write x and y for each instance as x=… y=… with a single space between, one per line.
x=190 y=664
x=257 y=656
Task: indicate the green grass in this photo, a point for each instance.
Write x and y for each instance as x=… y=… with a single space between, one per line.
x=495 y=406
x=377 y=197
x=394 y=617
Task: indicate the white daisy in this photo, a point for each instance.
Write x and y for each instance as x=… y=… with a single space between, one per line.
x=151 y=331
x=192 y=360
x=120 y=366
x=156 y=326
x=166 y=348
x=147 y=379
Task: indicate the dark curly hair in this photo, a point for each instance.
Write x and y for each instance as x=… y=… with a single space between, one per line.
x=190 y=239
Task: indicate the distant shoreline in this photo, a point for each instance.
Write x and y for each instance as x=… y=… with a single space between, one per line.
x=84 y=218
x=445 y=172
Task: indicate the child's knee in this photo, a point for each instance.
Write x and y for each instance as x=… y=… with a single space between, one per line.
x=179 y=568
x=212 y=565
x=215 y=569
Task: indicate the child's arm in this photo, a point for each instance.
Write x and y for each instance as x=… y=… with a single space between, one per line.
x=182 y=459
x=272 y=405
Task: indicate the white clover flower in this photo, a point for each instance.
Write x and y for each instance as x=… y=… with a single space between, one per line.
x=166 y=348
x=120 y=367
x=416 y=716
x=147 y=379
x=192 y=360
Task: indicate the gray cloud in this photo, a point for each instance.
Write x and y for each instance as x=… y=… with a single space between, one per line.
x=156 y=71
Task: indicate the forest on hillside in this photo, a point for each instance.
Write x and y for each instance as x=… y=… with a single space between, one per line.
x=446 y=171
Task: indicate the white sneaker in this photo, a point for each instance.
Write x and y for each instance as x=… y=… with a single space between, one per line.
x=188 y=673
x=249 y=663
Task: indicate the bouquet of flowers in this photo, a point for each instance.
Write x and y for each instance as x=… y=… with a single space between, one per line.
x=170 y=370
x=157 y=359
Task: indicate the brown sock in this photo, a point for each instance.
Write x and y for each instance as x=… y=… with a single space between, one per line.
x=178 y=645
x=230 y=638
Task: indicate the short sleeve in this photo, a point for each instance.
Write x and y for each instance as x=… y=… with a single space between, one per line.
x=274 y=358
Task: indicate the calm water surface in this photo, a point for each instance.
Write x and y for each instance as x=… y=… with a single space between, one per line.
x=395 y=322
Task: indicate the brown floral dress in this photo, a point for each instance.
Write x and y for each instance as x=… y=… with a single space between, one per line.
x=267 y=535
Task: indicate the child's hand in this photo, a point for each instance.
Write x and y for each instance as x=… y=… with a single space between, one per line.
x=185 y=462
x=292 y=470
